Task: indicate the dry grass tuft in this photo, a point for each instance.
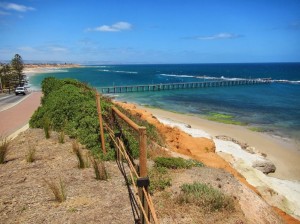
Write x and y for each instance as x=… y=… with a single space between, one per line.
x=4 y=148
x=47 y=127
x=61 y=137
x=58 y=190
x=30 y=156
x=82 y=162
x=100 y=169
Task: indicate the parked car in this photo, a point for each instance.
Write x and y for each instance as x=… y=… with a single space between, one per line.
x=21 y=90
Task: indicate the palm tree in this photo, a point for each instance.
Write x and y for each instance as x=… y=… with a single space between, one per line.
x=18 y=66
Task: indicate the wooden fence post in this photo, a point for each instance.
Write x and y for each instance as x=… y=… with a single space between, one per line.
x=100 y=122
x=143 y=151
x=143 y=181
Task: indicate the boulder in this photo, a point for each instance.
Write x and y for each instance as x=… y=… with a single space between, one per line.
x=265 y=166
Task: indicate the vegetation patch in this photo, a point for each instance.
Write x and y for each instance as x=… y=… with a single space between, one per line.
x=176 y=163
x=257 y=129
x=224 y=118
x=152 y=133
x=159 y=179
x=205 y=196
x=70 y=106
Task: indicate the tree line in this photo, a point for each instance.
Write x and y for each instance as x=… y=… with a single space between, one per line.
x=11 y=74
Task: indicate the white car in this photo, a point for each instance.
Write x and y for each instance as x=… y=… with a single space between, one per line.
x=20 y=90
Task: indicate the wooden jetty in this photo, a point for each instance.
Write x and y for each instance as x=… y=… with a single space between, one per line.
x=183 y=85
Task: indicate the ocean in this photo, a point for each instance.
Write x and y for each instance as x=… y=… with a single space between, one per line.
x=275 y=108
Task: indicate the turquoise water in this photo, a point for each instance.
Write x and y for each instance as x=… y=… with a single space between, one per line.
x=275 y=107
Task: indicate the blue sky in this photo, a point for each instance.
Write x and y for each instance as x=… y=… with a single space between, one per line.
x=156 y=31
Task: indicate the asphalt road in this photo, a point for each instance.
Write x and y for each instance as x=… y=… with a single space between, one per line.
x=8 y=101
x=17 y=111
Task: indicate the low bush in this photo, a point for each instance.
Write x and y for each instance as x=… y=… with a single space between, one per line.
x=176 y=163
x=159 y=179
x=205 y=196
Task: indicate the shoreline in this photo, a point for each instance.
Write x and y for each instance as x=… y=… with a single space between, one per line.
x=33 y=69
x=284 y=154
x=280 y=189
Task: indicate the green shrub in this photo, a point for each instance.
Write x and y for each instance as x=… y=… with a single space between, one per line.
x=152 y=133
x=176 y=163
x=205 y=196
x=70 y=106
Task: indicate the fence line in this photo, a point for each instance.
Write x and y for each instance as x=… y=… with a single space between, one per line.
x=144 y=201
x=122 y=153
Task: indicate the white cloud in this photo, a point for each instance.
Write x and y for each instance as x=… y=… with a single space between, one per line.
x=117 y=27
x=219 y=36
x=15 y=7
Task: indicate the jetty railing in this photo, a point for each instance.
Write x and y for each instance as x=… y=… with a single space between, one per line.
x=183 y=85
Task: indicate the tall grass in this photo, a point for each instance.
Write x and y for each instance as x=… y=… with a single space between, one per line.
x=100 y=169
x=82 y=163
x=4 y=148
x=205 y=196
x=47 y=127
x=58 y=190
x=61 y=137
x=30 y=156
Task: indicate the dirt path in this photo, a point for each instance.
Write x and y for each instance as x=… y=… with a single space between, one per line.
x=17 y=116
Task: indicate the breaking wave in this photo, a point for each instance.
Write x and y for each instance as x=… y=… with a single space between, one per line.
x=117 y=71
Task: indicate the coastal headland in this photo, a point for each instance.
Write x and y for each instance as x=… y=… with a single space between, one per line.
x=196 y=138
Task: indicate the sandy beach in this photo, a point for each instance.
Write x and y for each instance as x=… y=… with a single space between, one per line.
x=32 y=69
x=285 y=155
